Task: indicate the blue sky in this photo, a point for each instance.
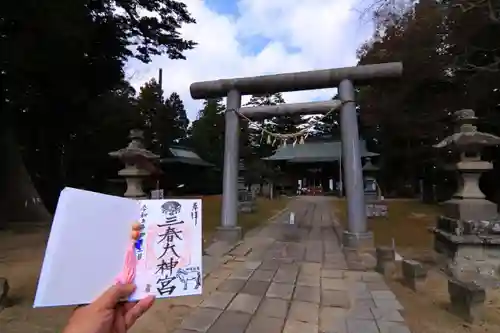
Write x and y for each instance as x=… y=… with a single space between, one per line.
x=253 y=37
x=223 y=7
x=251 y=45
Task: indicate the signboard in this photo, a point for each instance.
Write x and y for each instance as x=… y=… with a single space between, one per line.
x=157 y=194
x=376 y=209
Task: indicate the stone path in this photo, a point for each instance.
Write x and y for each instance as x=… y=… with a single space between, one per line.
x=287 y=278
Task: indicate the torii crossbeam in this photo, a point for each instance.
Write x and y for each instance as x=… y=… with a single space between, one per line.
x=357 y=233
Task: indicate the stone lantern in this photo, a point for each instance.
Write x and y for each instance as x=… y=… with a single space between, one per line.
x=138 y=164
x=469 y=203
x=246 y=202
x=375 y=205
x=370 y=181
x=468 y=233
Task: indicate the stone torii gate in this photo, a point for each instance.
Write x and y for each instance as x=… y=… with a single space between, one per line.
x=357 y=233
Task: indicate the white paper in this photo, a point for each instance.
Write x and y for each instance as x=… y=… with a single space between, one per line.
x=173 y=246
x=90 y=235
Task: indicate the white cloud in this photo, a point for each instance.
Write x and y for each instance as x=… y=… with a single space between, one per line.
x=303 y=35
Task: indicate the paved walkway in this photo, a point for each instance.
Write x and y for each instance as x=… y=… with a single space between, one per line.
x=283 y=278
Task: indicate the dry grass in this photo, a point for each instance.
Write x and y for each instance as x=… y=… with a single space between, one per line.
x=406 y=223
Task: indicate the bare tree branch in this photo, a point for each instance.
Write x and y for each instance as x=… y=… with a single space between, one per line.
x=493 y=12
x=469 y=6
x=494 y=67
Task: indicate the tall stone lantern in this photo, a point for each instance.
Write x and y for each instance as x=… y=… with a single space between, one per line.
x=468 y=232
x=137 y=162
x=469 y=202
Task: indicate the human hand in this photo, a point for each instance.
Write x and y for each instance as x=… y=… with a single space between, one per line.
x=108 y=314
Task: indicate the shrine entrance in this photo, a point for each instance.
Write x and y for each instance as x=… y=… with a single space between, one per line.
x=357 y=233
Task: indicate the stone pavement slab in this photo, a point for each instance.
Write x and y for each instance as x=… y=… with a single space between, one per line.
x=361 y=325
x=309 y=280
x=200 y=319
x=387 y=315
x=332 y=320
x=274 y=283
x=245 y=303
x=242 y=274
x=391 y=327
x=335 y=298
x=309 y=268
x=332 y=274
x=232 y=285
x=304 y=311
x=307 y=294
x=271 y=265
x=218 y=300
x=293 y=326
x=280 y=290
x=258 y=288
x=231 y=322
x=333 y=284
x=260 y=324
x=274 y=307
x=388 y=304
x=286 y=275
x=262 y=275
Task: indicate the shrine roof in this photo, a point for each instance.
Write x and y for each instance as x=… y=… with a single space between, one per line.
x=314 y=151
x=184 y=155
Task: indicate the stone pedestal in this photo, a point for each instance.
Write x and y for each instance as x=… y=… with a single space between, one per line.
x=469 y=209
x=357 y=240
x=466 y=300
x=228 y=234
x=414 y=274
x=386 y=261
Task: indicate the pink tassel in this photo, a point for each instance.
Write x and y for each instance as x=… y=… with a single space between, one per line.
x=128 y=273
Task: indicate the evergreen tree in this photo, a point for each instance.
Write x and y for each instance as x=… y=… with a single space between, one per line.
x=256 y=138
x=59 y=60
x=329 y=125
x=283 y=124
x=257 y=169
x=405 y=120
x=164 y=121
x=207 y=132
x=286 y=124
x=266 y=99
x=155 y=115
x=175 y=106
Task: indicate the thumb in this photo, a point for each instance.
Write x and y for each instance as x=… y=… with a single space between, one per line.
x=113 y=295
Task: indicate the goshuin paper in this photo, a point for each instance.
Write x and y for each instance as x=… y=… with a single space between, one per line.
x=89 y=238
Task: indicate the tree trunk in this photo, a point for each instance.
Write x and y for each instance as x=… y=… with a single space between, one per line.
x=19 y=199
